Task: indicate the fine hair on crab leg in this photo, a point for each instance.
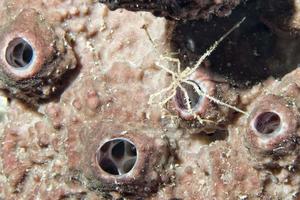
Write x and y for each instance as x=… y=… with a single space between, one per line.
x=165 y=90
x=187 y=98
x=214 y=46
x=179 y=77
x=175 y=60
x=167 y=70
x=175 y=80
x=217 y=101
x=172 y=86
x=189 y=107
x=160 y=93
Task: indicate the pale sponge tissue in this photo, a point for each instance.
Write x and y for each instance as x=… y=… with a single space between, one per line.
x=3 y=107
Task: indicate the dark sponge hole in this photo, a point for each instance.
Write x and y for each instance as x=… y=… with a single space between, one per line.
x=131 y=150
x=19 y=53
x=267 y=122
x=194 y=97
x=128 y=165
x=118 y=150
x=108 y=166
x=117 y=156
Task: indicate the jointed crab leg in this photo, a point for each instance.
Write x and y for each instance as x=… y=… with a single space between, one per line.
x=182 y=77
x=217 y=101
x=213 y=47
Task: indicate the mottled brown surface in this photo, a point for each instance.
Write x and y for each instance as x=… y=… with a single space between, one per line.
x=50 y=152
x=54 y=57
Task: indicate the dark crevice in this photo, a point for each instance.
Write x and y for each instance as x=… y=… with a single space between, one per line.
x=248 y=56
x=217 y=135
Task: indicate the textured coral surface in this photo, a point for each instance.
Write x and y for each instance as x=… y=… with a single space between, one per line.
x=76 y=122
